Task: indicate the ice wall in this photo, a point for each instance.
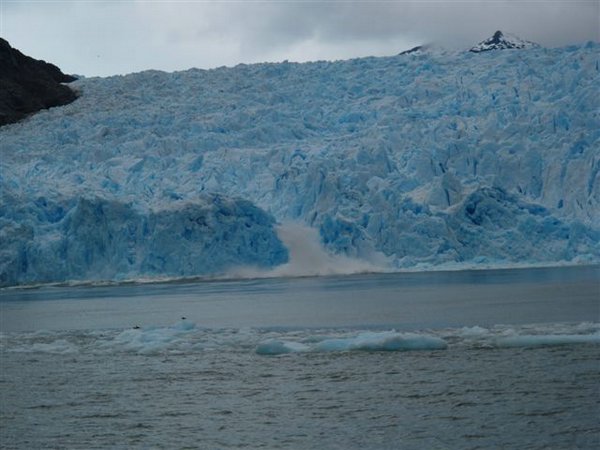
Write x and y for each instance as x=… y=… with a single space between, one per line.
x=420 y=160
x=99 y=239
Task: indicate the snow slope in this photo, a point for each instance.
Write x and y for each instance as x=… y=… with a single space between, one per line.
x=412 y=161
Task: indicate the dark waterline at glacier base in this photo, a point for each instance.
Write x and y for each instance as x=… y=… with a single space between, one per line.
x=76 y=375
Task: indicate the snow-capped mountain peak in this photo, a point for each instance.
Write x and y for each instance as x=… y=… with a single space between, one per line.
x=502 y=41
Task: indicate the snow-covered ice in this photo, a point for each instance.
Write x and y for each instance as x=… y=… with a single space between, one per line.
x=424 y=160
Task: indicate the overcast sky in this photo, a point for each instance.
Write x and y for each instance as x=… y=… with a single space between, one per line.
x=111 y=37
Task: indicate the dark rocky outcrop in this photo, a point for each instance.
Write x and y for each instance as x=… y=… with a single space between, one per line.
x=28 y=85
x=417 y=49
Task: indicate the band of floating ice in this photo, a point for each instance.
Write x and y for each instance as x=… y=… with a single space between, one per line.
x=186 y=337
x=370 y=341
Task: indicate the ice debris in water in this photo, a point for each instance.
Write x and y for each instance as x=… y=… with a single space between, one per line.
x=437 y=160
x=278 y=347
x=185 y=337
x=58 y=346
x=154 y=339
x=384 y=341
x=547 y=340
x=367 y=341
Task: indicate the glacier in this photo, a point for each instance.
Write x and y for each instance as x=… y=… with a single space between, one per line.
x=425 y=160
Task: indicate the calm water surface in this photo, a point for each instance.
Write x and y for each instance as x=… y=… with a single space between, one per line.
x=481 y=359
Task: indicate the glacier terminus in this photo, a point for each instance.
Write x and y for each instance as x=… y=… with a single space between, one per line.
x=424 y=160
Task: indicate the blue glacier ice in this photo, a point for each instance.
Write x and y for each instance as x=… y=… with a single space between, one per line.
x=417 y=161
x=100 y=239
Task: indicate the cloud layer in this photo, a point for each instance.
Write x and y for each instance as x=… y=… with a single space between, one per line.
x=109 y=37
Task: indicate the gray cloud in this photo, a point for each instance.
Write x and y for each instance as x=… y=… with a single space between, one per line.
x=108 y=37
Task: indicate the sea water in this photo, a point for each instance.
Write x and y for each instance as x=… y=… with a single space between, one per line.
x=474 y=359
